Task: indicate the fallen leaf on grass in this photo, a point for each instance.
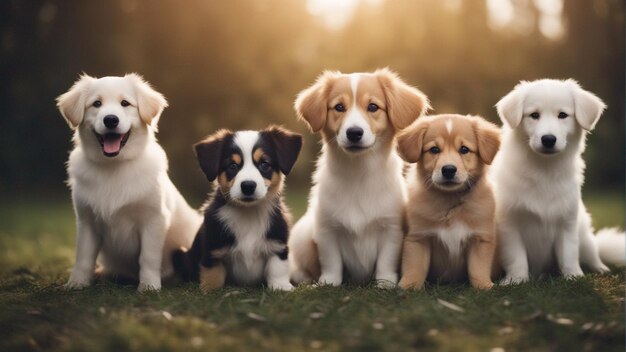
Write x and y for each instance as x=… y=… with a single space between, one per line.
x=231 y=293
x=257 y=317
x=316 y=315
x=505 y=330
x=451 y=306
x=560 y=321
x=315 y=344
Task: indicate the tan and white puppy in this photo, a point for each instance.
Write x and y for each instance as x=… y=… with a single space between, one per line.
x=128 y=212
x=451 y=209
x=354 y=223
x=538 y=174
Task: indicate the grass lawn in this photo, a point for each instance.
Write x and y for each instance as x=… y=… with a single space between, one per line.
x=37 y=249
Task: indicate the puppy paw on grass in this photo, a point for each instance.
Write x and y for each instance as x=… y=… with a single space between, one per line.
x=148 y=287
x=281 y=286
x=513 y=280
x=72 y=285
x=407 y=284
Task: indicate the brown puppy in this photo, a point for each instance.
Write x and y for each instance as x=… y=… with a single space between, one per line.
x=451 y=205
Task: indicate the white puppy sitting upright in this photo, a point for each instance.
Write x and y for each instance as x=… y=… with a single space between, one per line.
x=127 y=209
x=542 y=222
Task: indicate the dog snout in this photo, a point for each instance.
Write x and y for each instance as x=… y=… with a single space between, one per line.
x=548 y=140
x=354 y=134
x=448 y=171
x=248 y=187
x=111 y=121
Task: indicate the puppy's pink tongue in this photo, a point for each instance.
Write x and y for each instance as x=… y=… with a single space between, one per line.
x=112 y=143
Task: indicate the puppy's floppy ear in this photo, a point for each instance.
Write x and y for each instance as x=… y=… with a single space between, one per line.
x=411 y=141
x=488 y=136
x=209 y=152
x=150 y=103
x=286 y=144
x=311 y=103
x=511 y=107
x=404 y=103
x=72 y=103
x=588 y=106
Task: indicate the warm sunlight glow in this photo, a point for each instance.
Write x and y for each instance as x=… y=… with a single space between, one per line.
x=506 y=13
x=550 y=23
x=334 y=13
x=501 y=13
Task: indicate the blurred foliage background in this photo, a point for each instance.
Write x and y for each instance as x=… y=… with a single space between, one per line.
x=239 y=64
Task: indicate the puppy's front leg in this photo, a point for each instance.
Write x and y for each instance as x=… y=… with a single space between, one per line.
x=212 y=277
x=88 y=244
x=513 y=256
x=330 y=257
x=390 y=246
x=277 y=272
x=150 y=259
x=567 y=248
x=480 y=262
x=415 y=262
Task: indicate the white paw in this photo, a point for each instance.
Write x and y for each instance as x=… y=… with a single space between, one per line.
x=281 y=286
x=385 y=284
x=332 y=280
x=74 y=284
x=572 y=273
x=513 y=279
x=147 y=287
x=600 y=268
x=386 y=280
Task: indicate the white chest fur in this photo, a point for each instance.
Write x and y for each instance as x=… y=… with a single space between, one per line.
x=453 y=237
x=246 y=261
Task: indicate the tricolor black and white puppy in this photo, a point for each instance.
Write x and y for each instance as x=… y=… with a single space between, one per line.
x=243 y=239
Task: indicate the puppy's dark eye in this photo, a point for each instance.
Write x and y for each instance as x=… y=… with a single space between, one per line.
x=265 y=166
x=340 y=108
x=125 y=103
x=563 y=115
x=464 y=150
x=534 y=115
x=372 y=107
x=97 y=104
x=233 y=166
x=435 y=150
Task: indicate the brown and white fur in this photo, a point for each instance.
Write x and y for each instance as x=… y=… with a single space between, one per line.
x=451 y=208
x=354 y=222
x=128 y=212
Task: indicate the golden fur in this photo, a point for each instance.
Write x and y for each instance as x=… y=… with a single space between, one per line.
x=438 y=209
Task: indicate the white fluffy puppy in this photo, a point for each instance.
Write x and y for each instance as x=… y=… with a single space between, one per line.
x=538 y=174
x=127 y=209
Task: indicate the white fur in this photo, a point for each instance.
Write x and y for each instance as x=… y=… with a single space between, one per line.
x=449 y=125
x=354 y=216
x=541 y=219
x=253 y=257
x=355 y=118
x=127 y=210
x=453 y=237
x=246 y=140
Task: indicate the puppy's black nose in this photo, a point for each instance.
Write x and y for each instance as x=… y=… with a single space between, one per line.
x=448 y=171
x=548 y=141
x=354 y=134
x=248 y=187
x=111 y=121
